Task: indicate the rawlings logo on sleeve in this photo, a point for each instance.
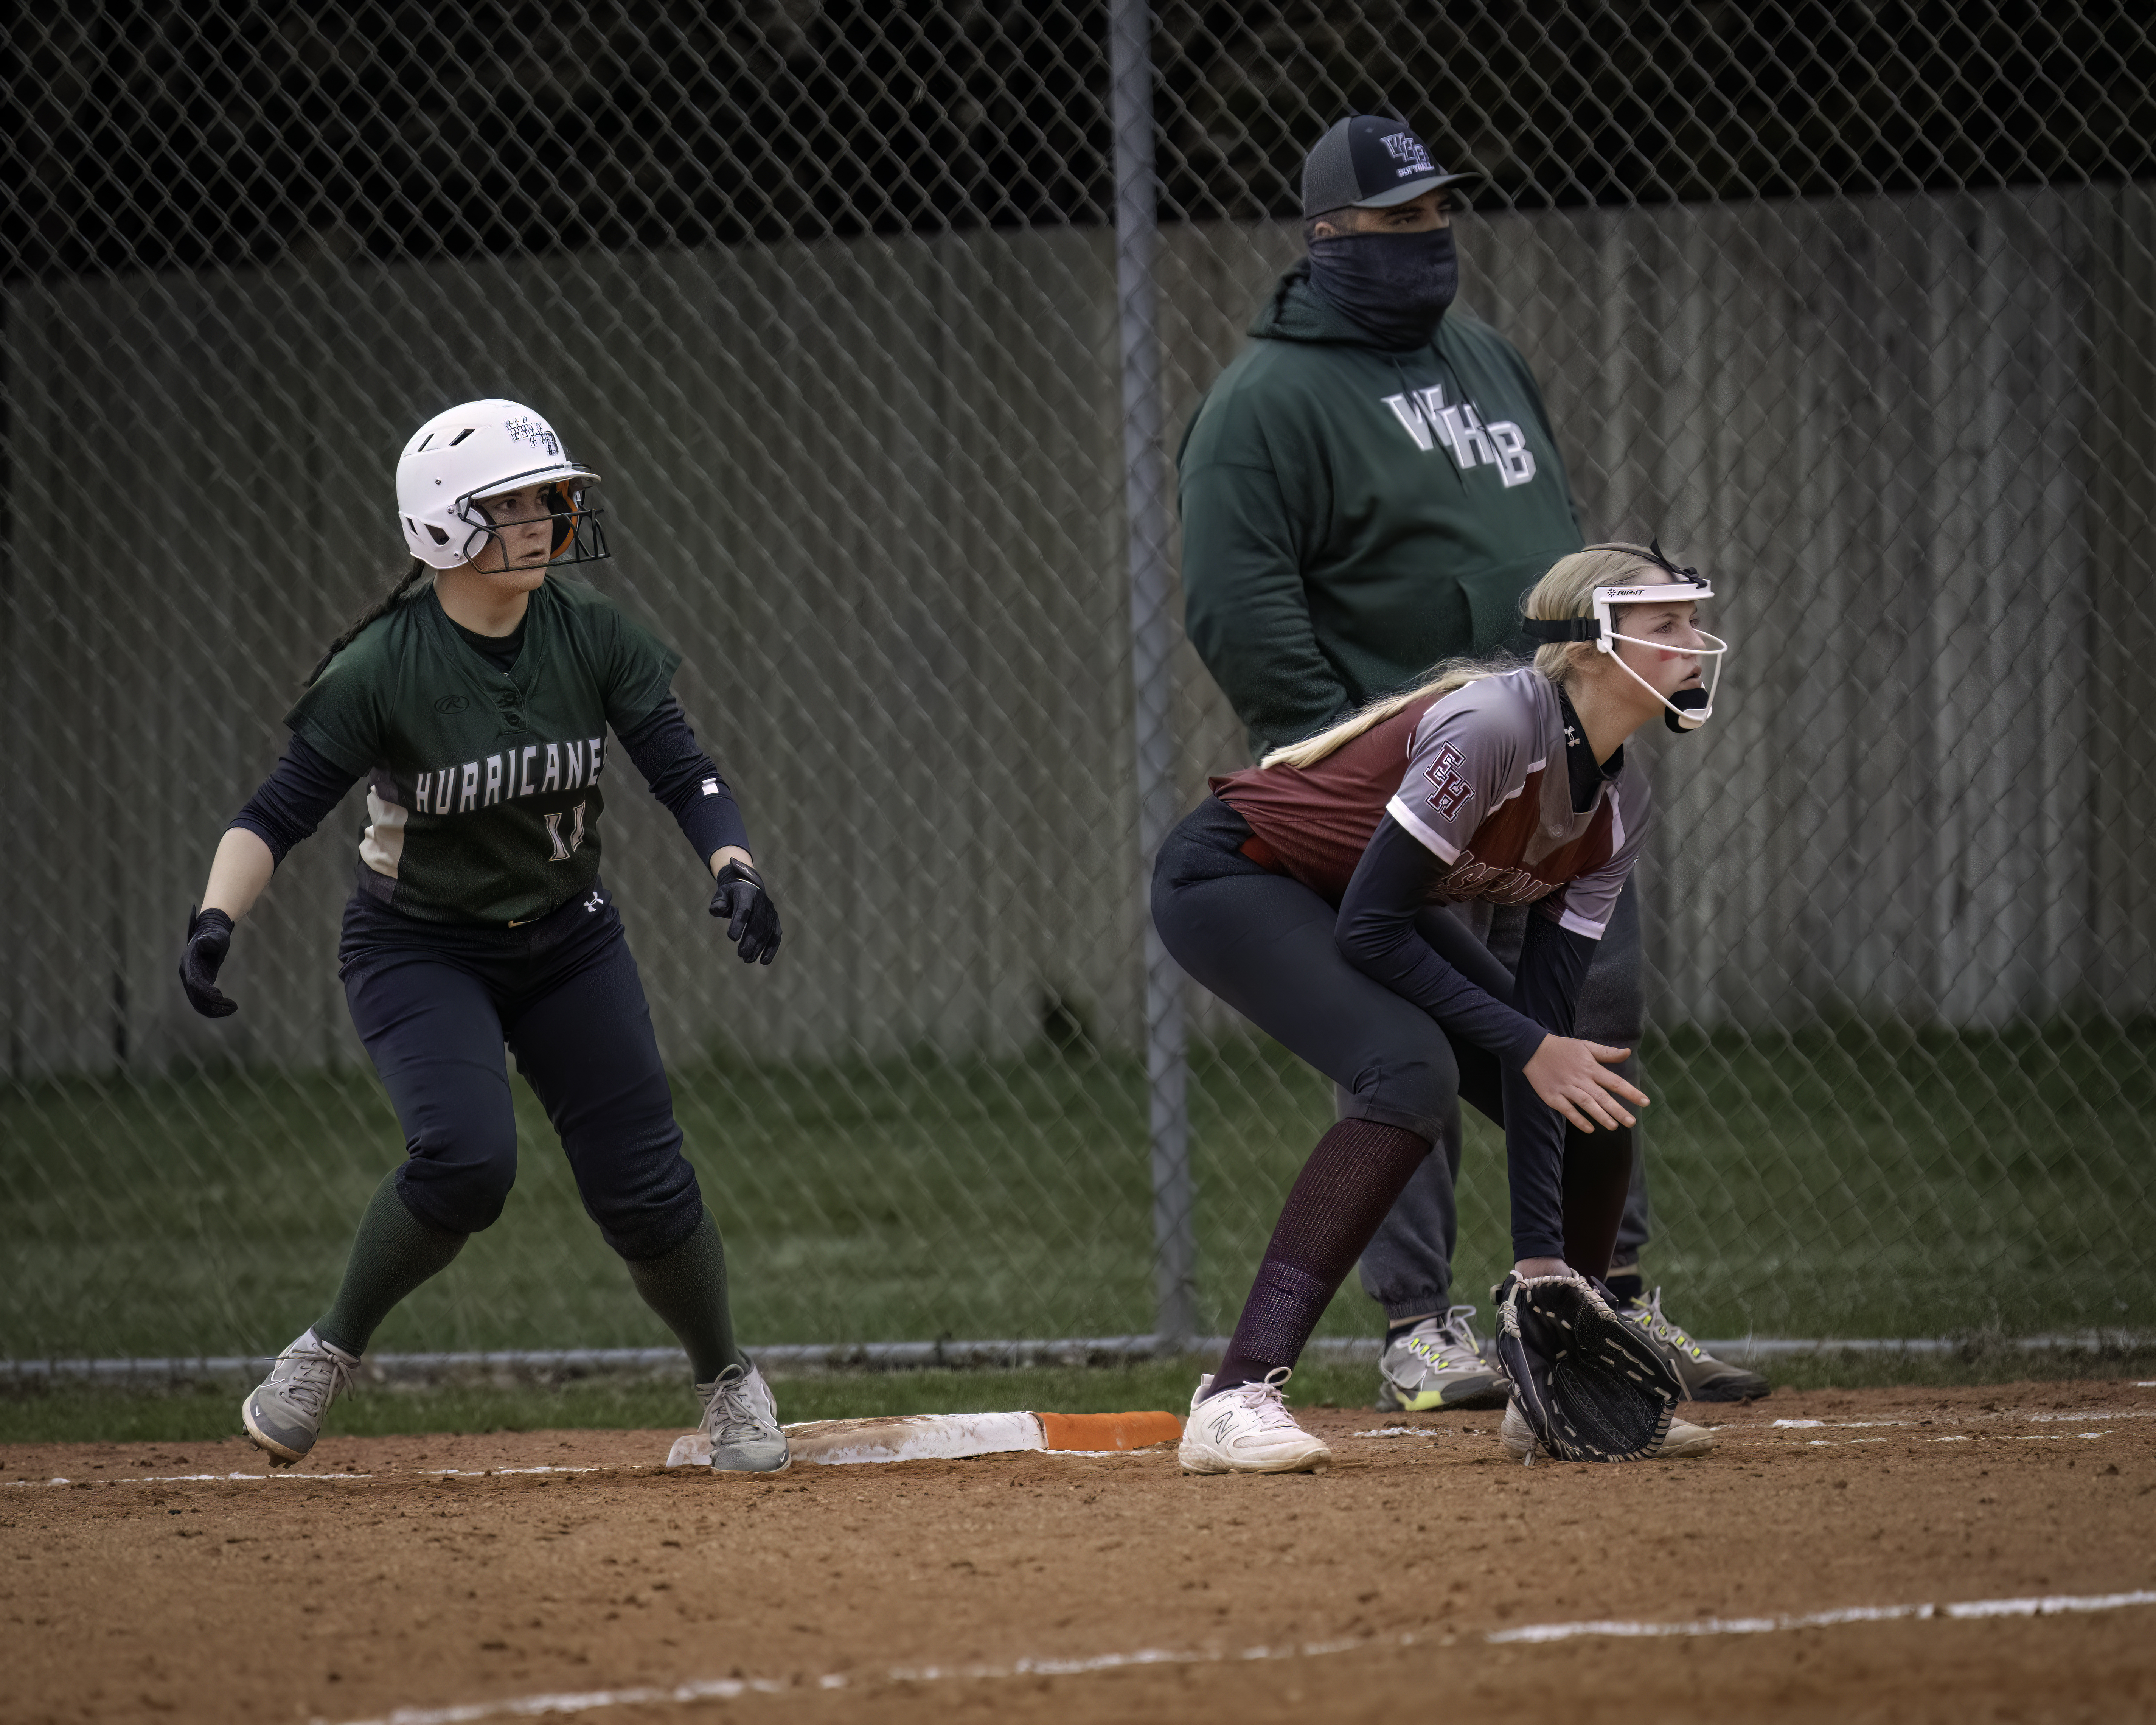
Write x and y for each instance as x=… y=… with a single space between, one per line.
x=1452 y=789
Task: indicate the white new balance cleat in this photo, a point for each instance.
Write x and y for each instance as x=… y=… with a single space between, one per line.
x=284 y=1414
x=1249 y=1429
x=1682 y=1439
x=741 y=1420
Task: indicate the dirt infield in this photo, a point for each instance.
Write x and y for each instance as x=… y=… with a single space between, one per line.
x=1111 y=1588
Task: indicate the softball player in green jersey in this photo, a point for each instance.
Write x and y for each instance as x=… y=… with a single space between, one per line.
x=475 y=699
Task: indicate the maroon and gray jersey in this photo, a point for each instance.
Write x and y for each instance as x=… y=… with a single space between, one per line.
x=1478 y=777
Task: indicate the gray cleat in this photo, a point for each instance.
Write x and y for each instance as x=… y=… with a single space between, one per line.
x=743 y=1421
x=1438 y=1364
x=1706 y=1378
x=283 y=1415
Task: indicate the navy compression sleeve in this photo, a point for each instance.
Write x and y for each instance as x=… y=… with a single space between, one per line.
x=296 y=798
x=1553 y=962
x=683 y=778
x=1376 y=933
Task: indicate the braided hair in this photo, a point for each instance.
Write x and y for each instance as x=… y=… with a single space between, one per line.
x=381 y=607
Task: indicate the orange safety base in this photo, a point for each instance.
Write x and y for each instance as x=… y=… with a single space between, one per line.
x=1108 y=1431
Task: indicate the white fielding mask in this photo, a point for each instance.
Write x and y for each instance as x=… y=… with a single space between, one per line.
x=1608 y=599
x=1601 y=629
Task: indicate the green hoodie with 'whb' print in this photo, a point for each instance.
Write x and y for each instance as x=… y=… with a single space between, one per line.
x=1351 y=516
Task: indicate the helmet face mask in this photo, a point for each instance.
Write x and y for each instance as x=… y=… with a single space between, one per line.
x=482 y=449
x=1688 y=709
x=577 y=537
x=1685 y=710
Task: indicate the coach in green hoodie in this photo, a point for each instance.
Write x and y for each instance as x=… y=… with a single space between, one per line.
x=1368 y=488
x=1373 y=483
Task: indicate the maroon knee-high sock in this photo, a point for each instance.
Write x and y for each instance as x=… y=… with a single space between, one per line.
x=1353 y=1177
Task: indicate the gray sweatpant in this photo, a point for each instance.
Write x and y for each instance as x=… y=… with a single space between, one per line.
x=1407 y=1268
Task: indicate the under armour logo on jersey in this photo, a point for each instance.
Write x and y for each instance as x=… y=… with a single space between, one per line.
x=563 y=851
x=595 y=903
x=1427 y=418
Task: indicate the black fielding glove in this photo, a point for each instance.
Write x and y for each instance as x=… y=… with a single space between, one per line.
x=1590 y=1384
x=751 y=918
x=209 y=938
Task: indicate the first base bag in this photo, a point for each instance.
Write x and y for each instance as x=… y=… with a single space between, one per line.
x=1592 y=1386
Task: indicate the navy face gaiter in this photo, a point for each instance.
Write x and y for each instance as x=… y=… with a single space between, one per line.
x=1394 y=286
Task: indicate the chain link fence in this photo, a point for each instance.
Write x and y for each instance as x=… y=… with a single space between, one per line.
x=881 y=322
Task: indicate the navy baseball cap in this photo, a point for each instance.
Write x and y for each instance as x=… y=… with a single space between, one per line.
x=1369 y=161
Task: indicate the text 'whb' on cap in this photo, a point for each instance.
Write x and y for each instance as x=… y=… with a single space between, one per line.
x=1370 y=161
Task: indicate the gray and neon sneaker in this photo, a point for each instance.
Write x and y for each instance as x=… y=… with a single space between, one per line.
x=1438 y=1364
x=283 y=1415
x=1706 y=1378
x=742 y=1422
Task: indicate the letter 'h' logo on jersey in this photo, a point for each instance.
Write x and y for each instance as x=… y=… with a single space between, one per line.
x=563 y=851
x=1452 y=790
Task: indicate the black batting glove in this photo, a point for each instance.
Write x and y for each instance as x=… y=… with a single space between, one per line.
x=209 y=938
x=751 y=918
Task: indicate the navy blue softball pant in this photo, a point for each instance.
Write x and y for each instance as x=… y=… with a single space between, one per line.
x=435 y=1003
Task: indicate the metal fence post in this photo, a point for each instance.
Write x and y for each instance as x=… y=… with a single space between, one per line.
x=1152 y=645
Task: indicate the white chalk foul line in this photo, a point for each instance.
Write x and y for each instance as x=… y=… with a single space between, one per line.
x=2091 y=1418
x=731 y=1688
x=2050 y=1605
x=190 y=1479
x=588 y=1701
x=186 y=1479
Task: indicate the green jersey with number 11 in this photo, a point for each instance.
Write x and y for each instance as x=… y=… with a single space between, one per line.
x=484 y=790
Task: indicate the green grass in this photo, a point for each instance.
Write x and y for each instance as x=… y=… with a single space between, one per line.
x=1866 y=1182
x=1840 y=1183
x=199 y=1414
x=196 y=1415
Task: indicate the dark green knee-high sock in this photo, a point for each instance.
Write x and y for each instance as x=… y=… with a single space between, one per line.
x=393 y=1253
x=687 y=1288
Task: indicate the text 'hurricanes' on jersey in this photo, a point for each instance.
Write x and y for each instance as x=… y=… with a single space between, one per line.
x=483 y=785
x=1478 y=777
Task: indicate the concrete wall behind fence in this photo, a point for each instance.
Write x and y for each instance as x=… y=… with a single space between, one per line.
x=872 y=490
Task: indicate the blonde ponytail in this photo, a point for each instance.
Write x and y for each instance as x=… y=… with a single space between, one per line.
x=1447 y=675
x=1568 y=590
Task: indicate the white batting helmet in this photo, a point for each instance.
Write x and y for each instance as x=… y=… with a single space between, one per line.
x=481 y=449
